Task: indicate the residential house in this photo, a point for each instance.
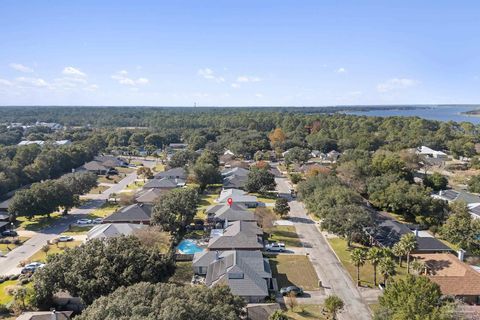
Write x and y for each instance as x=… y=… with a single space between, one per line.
x=174 y=173
x=239 y=197
x=46 y=315
x=4 y=226
x=333 y=156
x=317 y=154
x=474 y=209
x=134 y=213
x=261 y=311
x=224 y=212
x=112 y=230
x=455 y=278
x=149 y=196
x=164 y=184
x=4 y=206
x=103 y=165
x=430 y=153
x=235 y=177
x=178 y=145
x=451 y=195
x=237 y=235
x=247 y=273
x=26 y=142
x=388 y=232
x=94 y=167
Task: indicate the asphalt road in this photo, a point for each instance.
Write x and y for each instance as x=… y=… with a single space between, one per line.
x=9 y=263
x=335 y=279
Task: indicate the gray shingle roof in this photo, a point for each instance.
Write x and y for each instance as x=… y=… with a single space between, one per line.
x=234 y=181
x=138 y=213
x=237 y=171
x=234 y=213
x=237 y=195
x=111 y=230
x=237 y=235
x=149 y=196
x=164 y=183
x=173 y=173
x=243 y=271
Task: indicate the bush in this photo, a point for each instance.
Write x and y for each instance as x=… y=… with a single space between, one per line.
x=2 y=280
x=24 y=281
x=295 y=177
x=13 y=277
x=4 y=309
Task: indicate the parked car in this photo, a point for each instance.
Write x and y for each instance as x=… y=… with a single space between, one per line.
x=9 y=233
x=292 y=289
x=275 y=247
x=32 y=267
x=97 y=221
x=65 y=238
x=84 y=221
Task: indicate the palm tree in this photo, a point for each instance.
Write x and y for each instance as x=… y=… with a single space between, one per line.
x=399 y=251
x=387 y=268
x=333 y=304
x=409 y=243
x=375 y=255
x=418 y=267
x=358 y=258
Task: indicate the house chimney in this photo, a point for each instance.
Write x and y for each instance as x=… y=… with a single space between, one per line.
x=461 y=254
x=416 y=233
x=217 y=255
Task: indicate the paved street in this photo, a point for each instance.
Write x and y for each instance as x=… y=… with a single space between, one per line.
x=9 y=263
x=334 y=277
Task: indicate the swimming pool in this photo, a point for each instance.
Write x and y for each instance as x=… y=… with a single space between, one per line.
x=188 y=247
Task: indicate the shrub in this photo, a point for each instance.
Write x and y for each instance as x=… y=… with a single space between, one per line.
x=13 y=277
x=24 y=281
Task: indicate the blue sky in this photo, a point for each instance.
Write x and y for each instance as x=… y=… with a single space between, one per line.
x=238 y=53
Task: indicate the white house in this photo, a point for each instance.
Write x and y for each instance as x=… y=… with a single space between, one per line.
x=430 y=153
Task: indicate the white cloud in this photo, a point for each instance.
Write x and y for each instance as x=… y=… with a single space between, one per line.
x=235 y=85
x=258 y=95
x=208 y=74
x=71 y=71
x=341 y=70
x=248 y=79
x=6 y=83
x=122 y=78
x=395 y=84
x=20 y=67
x=33 y=82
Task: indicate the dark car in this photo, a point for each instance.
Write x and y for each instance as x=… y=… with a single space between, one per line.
x=292 y=289
x=9 y=233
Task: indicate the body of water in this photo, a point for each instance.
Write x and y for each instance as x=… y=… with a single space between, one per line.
x=188 y=247
x=447 y=113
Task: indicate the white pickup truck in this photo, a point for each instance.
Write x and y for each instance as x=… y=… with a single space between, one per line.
x=275 y=247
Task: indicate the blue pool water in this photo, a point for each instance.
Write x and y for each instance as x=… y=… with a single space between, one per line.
x=188 y=247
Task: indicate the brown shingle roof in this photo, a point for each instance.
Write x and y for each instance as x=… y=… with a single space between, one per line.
x=453 y=276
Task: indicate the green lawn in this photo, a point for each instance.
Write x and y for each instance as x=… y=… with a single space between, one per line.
x=105 y=210
x=98 y=189
x=5 y=298
x=77 y=230
x=294 y=270
x=135 y=185
x=111 y=179
x=205 y=202
x=159 y=167
x=285 y=234
x=37 y=223
x=4 y=248
x=125 y=170
x=306 y=311
x=183 y=273
x=269 y=199
x=366 y=272
x=41 y=256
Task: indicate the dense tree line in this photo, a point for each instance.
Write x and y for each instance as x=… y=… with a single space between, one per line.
x=98 y=267
x=162 y=301
x=44 y=198
x=22 y=165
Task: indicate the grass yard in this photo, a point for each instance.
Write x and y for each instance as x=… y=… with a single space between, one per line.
x=159 y=168
x=294 y=270
x=306 y=311
x=111 y=179
x=265 y=199
x=41 y=256
x=285 y=234
x=125 y=170
x=4 y=248
x=98 y=189
x=77 y=230
x=205 y=202
x=5 y=298
x=135 y=185
x=366 y=271
x=183 y=273
x=37 y=223
x=105 y=210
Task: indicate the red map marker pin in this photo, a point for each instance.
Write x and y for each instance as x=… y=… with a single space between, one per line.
x=230 y=201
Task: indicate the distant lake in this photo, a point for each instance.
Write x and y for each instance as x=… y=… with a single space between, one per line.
x=447 y=113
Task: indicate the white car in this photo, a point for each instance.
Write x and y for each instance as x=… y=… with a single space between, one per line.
x=97 y=221
x=84 y=221
x=32 y=267
x=275 y=247
x=65 y=238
